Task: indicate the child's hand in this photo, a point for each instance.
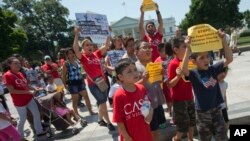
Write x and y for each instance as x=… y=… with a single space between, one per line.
x=178 y=72
x=145 y=76
x=187 y=41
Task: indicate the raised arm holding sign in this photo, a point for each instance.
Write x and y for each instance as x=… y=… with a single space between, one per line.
x=153 y=35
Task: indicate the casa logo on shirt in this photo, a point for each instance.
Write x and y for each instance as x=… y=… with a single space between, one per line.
x=95 y=61
x=20 y=82
x=133 y=109
x=155 y=42
x=207 y=82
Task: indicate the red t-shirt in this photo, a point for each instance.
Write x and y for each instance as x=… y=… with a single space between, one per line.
x=18 y=82
x=126 y=109
x=92 y=65
x=182 y=90
x=154 y=41
x=54 y=73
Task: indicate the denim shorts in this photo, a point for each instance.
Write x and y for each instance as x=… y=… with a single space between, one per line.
x=101 y=97
x=76 y=88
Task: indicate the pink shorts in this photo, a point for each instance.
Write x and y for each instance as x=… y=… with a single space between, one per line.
x=62 y=111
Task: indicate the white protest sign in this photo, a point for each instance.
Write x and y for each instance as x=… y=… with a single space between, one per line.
x=93 y=25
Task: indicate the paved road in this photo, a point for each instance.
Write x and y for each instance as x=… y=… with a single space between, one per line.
x=238 y=99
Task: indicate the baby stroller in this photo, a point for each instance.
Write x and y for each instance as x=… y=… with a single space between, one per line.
x=45 y=103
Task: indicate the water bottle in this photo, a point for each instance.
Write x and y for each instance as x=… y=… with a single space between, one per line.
x=145 y=106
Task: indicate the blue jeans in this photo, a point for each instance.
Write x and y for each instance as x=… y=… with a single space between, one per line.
x=101 y=97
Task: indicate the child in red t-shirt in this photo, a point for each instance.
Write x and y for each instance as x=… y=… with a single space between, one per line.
x=166 y=55
x=129 y=101
x=181 y=91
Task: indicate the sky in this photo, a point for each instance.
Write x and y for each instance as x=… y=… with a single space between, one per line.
x=115 y=10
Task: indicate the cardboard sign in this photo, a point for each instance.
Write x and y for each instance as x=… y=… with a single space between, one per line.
x=191 y=65
x=154 y=71
x=93 y=25
x=148 y=5
x=204 y=38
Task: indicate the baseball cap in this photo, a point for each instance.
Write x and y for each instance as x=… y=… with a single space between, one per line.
x=47 y=57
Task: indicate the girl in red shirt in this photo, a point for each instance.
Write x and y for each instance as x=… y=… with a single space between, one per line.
x=92 y=65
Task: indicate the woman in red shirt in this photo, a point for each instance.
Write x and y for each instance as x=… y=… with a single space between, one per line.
x=91 y=62
x=22 y=96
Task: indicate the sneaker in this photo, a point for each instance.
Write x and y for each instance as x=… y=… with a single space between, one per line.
x=111 y=127
x=81 y=105
x=41 y=134
x=102 y=123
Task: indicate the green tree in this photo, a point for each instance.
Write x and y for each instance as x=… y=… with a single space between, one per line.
x=218 y=13
x=45 y=22
x=247 y=17
x=12 y=38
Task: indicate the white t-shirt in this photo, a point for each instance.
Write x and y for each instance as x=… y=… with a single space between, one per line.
x=223 y=89
x=113 y=89
x=228 y=38
x=3 y=123
x=51 y=87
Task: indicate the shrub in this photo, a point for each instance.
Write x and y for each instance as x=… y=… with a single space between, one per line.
x=245 y=34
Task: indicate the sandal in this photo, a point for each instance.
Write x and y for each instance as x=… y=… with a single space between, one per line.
x=76 y=119
x=102 y=123
x=93 y=113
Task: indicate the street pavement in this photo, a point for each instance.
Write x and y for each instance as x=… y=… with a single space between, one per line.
x=237 y=95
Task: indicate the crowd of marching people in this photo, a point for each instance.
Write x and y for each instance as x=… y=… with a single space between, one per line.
x=116 y=73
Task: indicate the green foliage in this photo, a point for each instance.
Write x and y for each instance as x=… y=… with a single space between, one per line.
x=45 y=22
x=12 y=39
x=247 y=17
x=244 y=41
x=245 y=34
x=218 y=13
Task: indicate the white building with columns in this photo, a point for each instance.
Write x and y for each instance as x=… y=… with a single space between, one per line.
x=128 y=26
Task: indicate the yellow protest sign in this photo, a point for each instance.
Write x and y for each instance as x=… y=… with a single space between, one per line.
x=191 y=65
x=148 y=5
x=155 y=72
x=204 y=38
